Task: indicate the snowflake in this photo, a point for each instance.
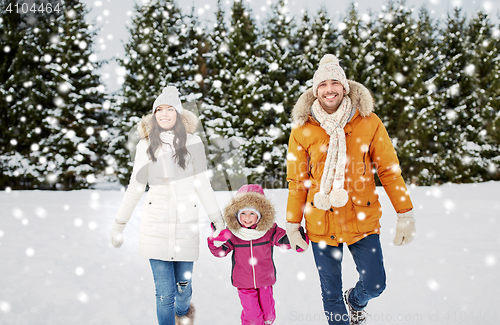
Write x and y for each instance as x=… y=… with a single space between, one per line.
x=433 y=285
x=30 y=252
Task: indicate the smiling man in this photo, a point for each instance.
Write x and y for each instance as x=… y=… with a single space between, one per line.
x=336 y=144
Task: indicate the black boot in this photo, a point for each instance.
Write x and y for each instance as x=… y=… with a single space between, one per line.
x=355 y=316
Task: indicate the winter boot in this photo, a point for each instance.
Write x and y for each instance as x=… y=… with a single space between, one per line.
x=187 y=319
x=355 y=316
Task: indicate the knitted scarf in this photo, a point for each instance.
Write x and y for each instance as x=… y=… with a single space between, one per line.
x=331 y=191
x=165 y=168
x=248 y=234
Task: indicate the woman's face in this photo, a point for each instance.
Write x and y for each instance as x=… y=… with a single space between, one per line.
x=166 y=116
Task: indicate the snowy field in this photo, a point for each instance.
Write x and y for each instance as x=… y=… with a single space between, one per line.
x=57 y=265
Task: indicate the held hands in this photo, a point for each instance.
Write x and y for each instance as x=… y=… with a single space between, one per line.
x=297 y=241
x=405 y=228
x=219 y=234
x=117 y=234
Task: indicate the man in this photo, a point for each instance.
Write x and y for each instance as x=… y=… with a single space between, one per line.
x=335 y=145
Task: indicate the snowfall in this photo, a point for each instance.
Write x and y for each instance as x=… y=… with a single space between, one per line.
x=58 y=265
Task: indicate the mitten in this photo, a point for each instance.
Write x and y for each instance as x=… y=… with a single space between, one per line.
x=405 y=228
x=117 y=234
x=216 y=228
x=305 y=237
x=284 y=242
x=219 y=235
x=295 y=237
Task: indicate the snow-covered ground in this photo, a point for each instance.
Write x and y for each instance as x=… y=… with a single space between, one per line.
x=57 y=265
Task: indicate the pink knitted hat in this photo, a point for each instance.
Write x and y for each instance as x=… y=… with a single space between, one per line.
x=250 y=188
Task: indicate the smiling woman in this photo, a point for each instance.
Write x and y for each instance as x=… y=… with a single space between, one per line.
x=171 y=160
x=166 y=116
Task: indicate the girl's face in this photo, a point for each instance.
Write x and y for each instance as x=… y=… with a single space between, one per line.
x=166 y=116
x=248 y=218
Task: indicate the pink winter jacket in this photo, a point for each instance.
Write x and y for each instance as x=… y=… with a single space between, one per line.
x=253 y=264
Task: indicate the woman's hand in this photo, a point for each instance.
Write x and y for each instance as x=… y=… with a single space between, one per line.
x=117 y=234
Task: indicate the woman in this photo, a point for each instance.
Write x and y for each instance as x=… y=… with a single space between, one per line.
x=172 y=161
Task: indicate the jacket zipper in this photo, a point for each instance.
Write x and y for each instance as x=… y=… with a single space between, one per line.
x=364 y=164
x=364 y=157
x=252 y=260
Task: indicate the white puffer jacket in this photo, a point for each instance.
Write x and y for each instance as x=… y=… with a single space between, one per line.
x=169 y=224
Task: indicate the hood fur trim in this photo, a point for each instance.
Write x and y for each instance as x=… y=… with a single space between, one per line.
x=188 y=118
x=254 y=200
x=361 y=99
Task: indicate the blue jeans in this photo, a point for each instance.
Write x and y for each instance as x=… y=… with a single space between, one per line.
x=173 y=289
x=367 y=255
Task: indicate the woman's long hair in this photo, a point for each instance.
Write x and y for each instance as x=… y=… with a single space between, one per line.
x=180 y=136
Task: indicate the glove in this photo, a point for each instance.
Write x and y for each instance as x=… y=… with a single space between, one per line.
x=405 y=229
x=117 y=234
x=284 y=242
x=217 y=227
x=219 y=234
x=295 y=237
x=305 y=237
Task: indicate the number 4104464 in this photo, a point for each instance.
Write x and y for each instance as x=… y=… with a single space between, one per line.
x=24 y=8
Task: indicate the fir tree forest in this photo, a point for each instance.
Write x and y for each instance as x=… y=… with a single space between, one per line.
x=435 y=84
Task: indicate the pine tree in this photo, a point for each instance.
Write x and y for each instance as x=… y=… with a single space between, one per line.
x=394 y=68
x=279 y=90
x=483 y=146
x=357 y=47
x=448 y=115
x=241 y=77
x=163 y=49
x=315 y=38
x=224 y=154
x=62 y=120
x=493 y=126
x=414 y=151
x=15 y=69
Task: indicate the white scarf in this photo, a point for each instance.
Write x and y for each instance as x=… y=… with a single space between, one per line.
x=331 y=191
x=248 y=234
x=165 y=155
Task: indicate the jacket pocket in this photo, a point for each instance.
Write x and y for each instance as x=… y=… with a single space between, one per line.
x=187 y=211
x=367 y=211
x=316 y=222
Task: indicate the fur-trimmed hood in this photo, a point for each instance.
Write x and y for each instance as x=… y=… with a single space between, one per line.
x=361 y=99
x=249 y=199
x=188 y=118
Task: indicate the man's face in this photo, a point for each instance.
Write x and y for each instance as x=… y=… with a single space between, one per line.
x=330 y=95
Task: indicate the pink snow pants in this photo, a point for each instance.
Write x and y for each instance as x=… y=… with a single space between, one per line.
x=258 y=306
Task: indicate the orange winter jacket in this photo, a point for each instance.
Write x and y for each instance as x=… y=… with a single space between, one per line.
x=369 y=148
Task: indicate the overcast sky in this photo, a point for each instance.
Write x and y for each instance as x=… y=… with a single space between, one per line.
x=114 y=15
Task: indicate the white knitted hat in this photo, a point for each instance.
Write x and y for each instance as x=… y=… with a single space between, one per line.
x=249 y=209
x=329 y=69
x=169 y=96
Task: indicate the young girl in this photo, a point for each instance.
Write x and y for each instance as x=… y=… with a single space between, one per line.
x=251 y=235
x=172 y=161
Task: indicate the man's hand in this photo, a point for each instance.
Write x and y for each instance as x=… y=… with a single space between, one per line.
x=295 y=237
x=405 y=228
